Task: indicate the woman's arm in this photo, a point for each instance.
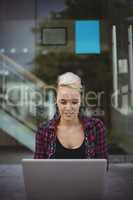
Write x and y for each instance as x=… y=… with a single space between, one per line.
x=41 y=143
x=101 y=140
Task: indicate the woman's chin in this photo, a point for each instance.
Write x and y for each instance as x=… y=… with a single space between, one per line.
x=69 y=117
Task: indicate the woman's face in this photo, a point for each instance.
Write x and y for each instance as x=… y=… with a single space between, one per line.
x=68 y=102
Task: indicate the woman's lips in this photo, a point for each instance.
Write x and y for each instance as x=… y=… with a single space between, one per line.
x=69 y=114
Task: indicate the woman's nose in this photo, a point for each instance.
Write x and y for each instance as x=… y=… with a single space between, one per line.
x=69 y=106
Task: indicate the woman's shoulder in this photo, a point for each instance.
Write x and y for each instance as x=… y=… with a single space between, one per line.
x=92 y=121
x=45 y=126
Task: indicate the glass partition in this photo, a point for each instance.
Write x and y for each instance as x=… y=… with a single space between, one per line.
x=40 y=45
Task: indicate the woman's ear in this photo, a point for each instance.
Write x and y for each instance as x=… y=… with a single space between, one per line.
x=81 y=111
x=57 y=109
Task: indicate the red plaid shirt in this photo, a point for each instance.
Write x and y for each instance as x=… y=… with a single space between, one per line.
x=95 y=138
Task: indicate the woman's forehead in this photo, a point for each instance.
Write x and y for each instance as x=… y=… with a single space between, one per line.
x=68 y=96
x=68 y=93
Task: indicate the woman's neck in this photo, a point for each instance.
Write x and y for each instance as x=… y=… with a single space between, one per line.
x=74 y=122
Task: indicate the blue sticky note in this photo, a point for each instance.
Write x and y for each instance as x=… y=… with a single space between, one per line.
x=87 y=37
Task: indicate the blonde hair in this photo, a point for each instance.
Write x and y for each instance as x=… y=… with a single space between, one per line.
x=69 y=79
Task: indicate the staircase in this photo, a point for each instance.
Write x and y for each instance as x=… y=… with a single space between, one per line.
x=22 y=95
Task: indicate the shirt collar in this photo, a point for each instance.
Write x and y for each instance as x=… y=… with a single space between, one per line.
x=55 y=120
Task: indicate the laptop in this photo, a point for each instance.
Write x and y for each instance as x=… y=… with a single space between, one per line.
x=64 y=179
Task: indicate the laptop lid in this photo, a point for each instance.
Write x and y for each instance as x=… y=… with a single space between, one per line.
x=64 y=179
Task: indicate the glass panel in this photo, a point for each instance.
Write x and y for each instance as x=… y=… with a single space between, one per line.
x=29 y=68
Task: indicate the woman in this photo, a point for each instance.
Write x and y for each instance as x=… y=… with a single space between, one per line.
x=68 y=134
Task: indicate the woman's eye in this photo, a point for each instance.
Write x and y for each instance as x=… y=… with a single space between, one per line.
x=63 y=102
x=74 y=102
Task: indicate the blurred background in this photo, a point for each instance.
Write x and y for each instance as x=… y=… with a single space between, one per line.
x=39 y=40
